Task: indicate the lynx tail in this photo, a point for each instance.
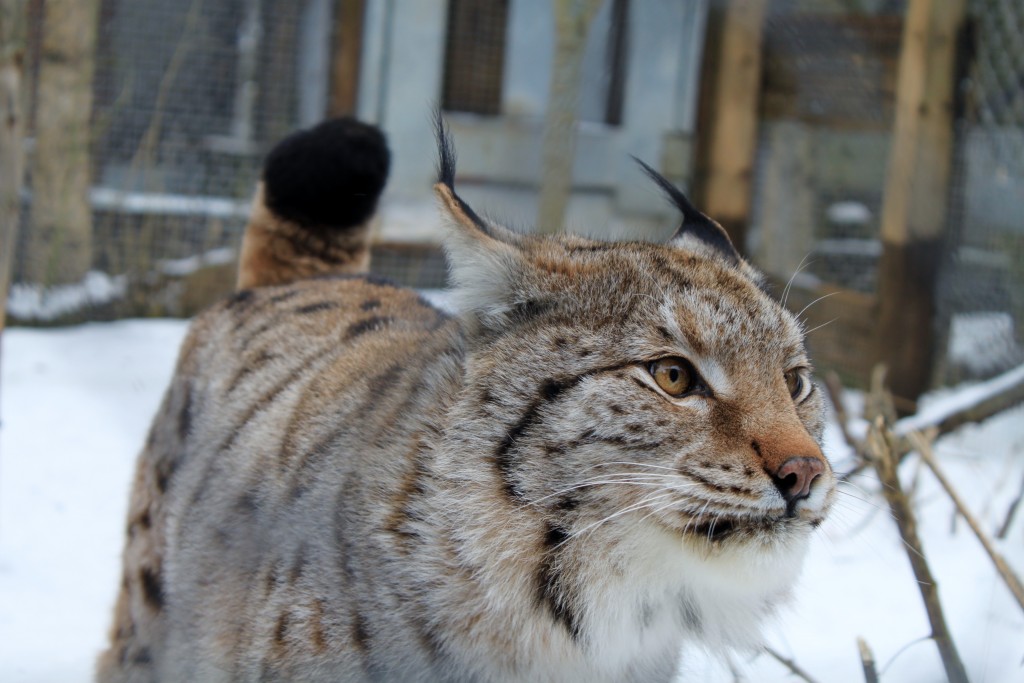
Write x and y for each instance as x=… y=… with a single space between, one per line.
x=314 y=205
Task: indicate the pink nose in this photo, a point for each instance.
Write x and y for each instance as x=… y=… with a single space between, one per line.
x=795 y=477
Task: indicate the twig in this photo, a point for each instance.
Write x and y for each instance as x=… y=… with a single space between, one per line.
x=1009 y=577
x=791 y=665
x=867 y=660
x=883 y=451
x=993 y=396
x=1005 y=528
x=834 y=391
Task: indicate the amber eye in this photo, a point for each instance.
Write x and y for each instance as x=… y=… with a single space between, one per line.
x=796 y=383
x=674 y=375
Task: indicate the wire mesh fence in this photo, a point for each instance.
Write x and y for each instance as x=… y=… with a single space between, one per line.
x=828 y=96
x=830 y=72
x=184 y=97
x=981 y=285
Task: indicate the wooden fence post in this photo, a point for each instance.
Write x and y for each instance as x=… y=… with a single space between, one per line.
x=60 y=234
x=12 y=136
x=572 y=24
x=731 y=92
x=346 y=54
x=913 y=222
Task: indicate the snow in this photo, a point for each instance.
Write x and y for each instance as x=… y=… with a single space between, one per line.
x=109 y=199
x=75 y=408
x=848 y=212
x=983 y=342
x=849 y=246
x=32 y=302
x=945 y=402
x=186 y=266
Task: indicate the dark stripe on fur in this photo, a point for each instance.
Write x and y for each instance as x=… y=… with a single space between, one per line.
x=185 y=415
x=152 y=587
x=268 y=397
x=549 y=391
x=555 y=592
x=721 y=488
x=249 y=367
x=690 y=615
x=430 y=640
x=240 y=299
x=259 y=404
x=411 y=488
x=589 y=437
x=368 y=325
x=317 y=307
x=281 y=634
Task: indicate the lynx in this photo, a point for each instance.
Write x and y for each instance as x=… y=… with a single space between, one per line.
x=610 y=450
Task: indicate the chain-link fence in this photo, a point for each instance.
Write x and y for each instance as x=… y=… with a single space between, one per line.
x=826 y=135
x=981 y=286
x=176 y=101
x=827 y=111
x=182 y=98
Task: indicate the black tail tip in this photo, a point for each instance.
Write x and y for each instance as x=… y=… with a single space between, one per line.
x=328 y=176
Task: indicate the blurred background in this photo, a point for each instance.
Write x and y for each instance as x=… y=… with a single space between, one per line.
x=867 y=154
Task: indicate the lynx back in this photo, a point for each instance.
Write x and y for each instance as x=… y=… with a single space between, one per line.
x=608 y=450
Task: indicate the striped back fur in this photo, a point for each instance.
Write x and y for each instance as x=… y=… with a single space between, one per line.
x=610 y=450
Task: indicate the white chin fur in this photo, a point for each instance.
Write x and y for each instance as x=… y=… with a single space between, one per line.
x=736 y=586
x=733 y=588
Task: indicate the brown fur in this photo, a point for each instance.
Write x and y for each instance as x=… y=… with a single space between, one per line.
x=346 y=483
x=276 y=251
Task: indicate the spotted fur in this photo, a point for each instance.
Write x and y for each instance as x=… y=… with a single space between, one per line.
x=345 y=483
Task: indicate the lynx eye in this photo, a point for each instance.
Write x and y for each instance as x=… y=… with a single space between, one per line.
x=675 y=376
x=797 y=383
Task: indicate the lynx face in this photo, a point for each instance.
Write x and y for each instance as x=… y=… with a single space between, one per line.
x=652 y=406
x=644 y=382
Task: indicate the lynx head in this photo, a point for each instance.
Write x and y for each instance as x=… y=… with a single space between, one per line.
x=651 y=387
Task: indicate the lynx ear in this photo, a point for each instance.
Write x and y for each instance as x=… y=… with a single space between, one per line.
x=484 y=259
x=696 y=232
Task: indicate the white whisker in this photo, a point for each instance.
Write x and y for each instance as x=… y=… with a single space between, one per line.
x=820 y=298
x=629 y=508
x=792 y=278
x=815 y=329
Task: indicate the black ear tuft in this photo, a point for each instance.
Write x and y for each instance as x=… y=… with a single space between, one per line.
x=695 y=224
x=328 y=176
x=445 y=152
x=446 y=170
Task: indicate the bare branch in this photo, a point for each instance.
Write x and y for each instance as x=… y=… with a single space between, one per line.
x=867 y=660
x=1009 y=577
x=883 y=451
x=979 y=403
x=834 y=391
x=1005 y=528
x=791 y=665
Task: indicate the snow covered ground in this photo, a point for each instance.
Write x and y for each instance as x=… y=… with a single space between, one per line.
x=75 y=405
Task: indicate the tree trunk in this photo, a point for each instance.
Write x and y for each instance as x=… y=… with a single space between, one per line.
x=12 y=134
x=60 y=238
x=572 y=24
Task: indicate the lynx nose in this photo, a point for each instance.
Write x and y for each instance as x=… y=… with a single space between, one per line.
x=795 y=476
